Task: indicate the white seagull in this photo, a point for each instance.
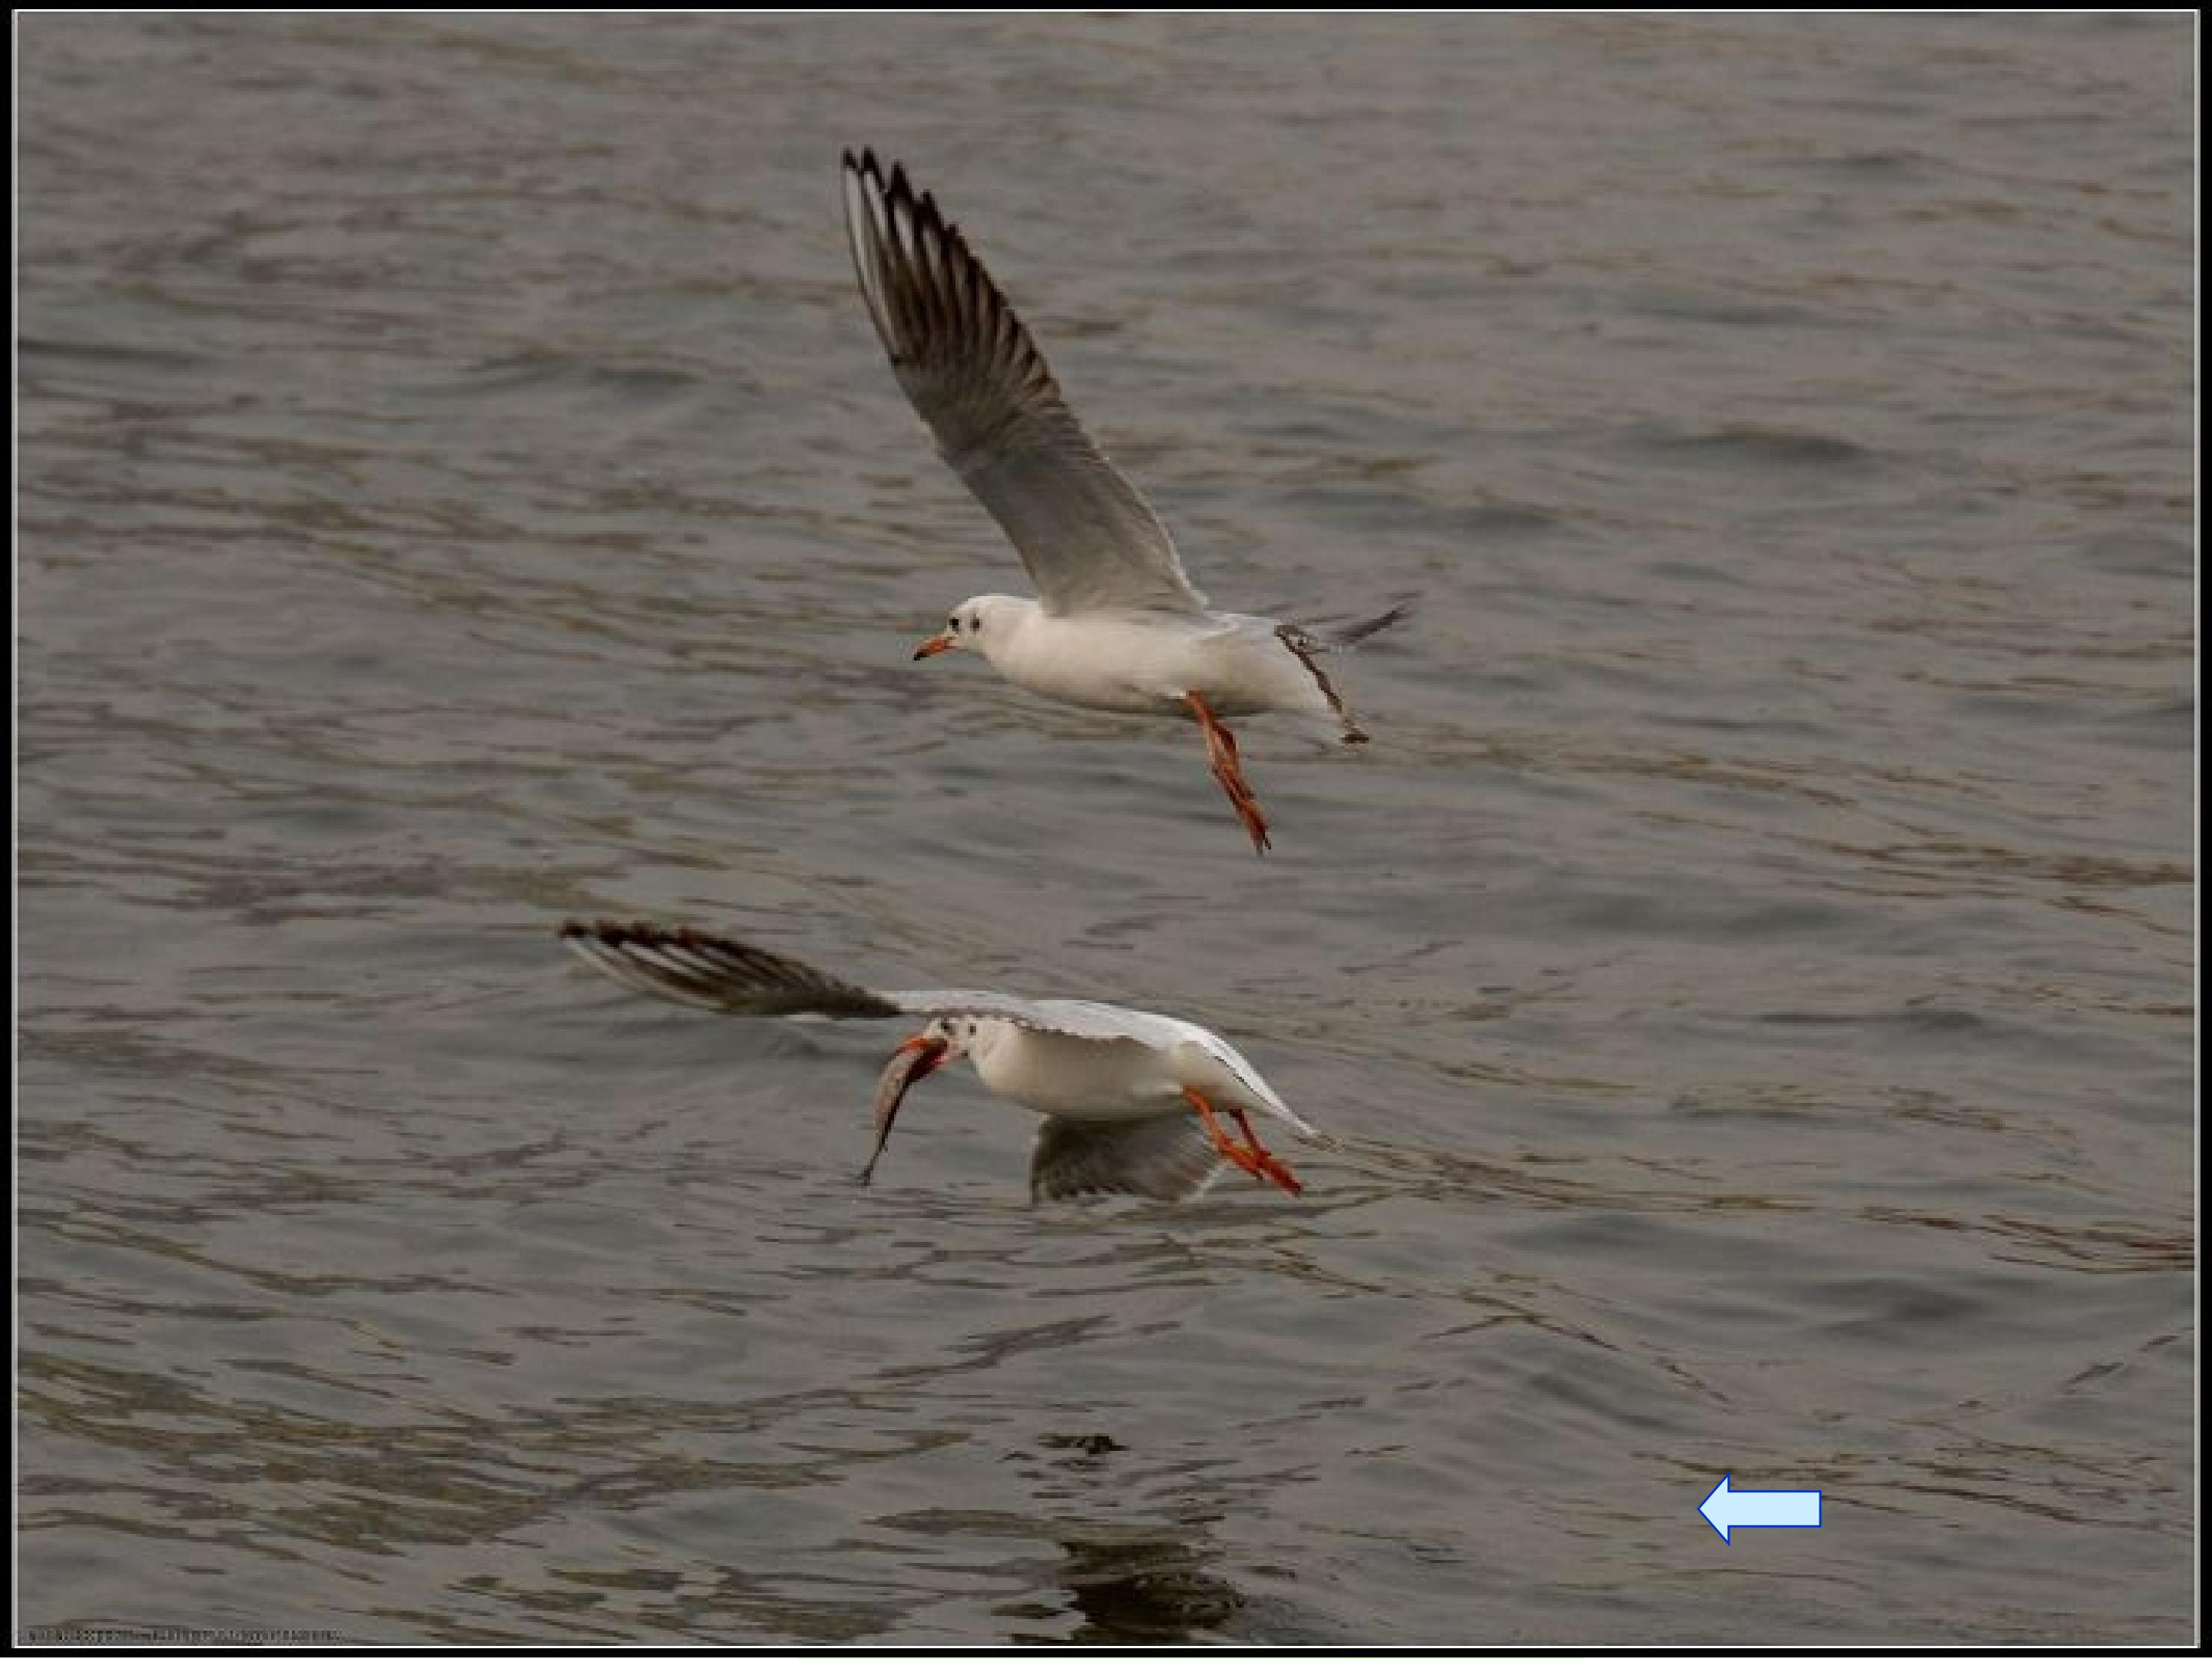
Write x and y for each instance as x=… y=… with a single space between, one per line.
x=1131 y=1102
x=1116 y=623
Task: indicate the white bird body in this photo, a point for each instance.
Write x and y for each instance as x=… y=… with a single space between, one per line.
x=1128 y=1096
x=1117 y=624
x=1143 y=662
x=1112 y=1079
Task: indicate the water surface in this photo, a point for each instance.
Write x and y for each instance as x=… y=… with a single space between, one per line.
x=1750 y=972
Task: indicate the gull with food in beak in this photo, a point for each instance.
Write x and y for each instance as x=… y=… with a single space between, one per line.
x=1131 y=1102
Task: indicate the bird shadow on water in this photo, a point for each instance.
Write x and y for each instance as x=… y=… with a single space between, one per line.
x=1143 y=1589
x=1123 y=1582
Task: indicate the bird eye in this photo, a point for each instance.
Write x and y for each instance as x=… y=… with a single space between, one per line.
x=953 y=622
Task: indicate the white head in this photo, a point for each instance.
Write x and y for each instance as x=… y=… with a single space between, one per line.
x=954 y=1037
x=977 y=625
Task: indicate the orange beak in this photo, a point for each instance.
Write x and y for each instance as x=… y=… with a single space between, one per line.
x=933 y=645
x=928 y=1052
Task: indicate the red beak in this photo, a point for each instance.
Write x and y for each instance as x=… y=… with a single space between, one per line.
x=933 y=645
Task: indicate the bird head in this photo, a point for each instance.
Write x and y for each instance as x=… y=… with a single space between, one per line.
x=976 y=624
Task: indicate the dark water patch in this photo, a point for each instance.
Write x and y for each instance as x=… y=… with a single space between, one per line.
x=537 y=377
x=2139 y=553
x=1759 y=450
x=2165 y=725
x=1413 y=517
x=1857 y=169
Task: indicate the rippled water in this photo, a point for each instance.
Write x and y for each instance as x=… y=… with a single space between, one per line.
x=1751 y=972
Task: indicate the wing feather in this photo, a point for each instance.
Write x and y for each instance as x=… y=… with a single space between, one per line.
x=1088 y=540
x=724 y=974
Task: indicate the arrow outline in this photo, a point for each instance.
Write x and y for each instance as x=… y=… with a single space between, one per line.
x=1726 y=1493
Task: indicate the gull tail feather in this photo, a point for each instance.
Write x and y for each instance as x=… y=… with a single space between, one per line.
x=1342 y=636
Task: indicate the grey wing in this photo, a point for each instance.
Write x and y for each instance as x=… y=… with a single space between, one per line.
x=1089 y=539
x=1165 y=1158
x=724 y=974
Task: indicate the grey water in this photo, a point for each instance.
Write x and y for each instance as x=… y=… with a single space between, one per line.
x=1749 y=978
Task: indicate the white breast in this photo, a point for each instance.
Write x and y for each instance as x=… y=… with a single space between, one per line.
x=1140 y=663
x=1075 y=1076
x=1117 y=1078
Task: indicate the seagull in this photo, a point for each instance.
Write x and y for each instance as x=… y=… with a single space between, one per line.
x=1116 y=623
x=1131 y=1102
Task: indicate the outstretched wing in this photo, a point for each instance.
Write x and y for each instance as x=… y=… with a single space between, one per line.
x=728 y=976
x=686 y=966
x=1089 y=539
x=1093 y=1022
x=1164 y=1157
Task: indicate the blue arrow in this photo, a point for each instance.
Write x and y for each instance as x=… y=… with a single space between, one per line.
x=1726 y=1508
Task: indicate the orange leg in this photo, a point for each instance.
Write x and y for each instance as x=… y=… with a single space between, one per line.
x=1251 y=1157
x=1221 y=751
x=1272 y=1167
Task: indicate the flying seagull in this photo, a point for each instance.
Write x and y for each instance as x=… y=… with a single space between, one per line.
x=1131 y=1102
x=1116 y=623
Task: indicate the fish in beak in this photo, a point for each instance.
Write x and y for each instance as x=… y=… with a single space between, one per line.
x=933 y=645
x=916 y=1058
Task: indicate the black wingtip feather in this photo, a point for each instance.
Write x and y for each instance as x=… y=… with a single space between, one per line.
x=706 y=969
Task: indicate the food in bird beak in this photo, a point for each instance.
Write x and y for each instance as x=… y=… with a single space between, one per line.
x=917 y=1057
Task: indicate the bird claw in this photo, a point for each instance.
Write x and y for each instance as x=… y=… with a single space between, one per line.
x=1263 y=1165
x=1248 y=812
